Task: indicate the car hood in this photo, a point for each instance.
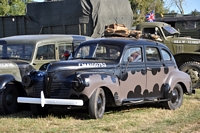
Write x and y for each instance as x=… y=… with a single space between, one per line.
x=11 y=64
x=14 y=67
x=80 y=64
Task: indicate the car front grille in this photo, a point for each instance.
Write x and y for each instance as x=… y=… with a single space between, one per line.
x=38 y=87
x=60 y=90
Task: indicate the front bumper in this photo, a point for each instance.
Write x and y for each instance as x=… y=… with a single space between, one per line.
x=43 y=101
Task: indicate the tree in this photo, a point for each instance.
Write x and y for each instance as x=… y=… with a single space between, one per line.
x=142 y=7
x=13 y=7
x=195 y=12
x=4 y=7
x=177 y=3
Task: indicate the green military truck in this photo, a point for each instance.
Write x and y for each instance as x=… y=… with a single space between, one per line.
x=187 y=24
x=22 y=54
x=186 y=50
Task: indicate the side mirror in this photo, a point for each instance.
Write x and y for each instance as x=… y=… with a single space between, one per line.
x=66 y=54
x=130 y=59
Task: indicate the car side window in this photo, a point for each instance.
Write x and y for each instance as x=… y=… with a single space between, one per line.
x=148 y=30
x=62 y=48
x=46 y=52
x=152 y=54
x=166 y=56
x=135 y=53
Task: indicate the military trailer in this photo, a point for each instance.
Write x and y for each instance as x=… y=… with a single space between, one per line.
x=185 y=49
x=22 y=54
x=109 y=72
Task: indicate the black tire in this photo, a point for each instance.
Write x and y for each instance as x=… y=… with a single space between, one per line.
x=37 y=110
x=193 y=69
x=8 y=100
x=177 y=98
x=97 y=104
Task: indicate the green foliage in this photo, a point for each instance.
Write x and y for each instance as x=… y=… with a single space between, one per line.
x=142 y=7
x=13 y=7
x=195 y=13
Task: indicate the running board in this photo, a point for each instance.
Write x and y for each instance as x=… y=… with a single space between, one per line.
x=129 y=102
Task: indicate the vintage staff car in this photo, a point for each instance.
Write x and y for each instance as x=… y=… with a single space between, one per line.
x=109 y=72
x=21 y=54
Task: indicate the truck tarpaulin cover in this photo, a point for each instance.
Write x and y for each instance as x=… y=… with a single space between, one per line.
x=68 y=12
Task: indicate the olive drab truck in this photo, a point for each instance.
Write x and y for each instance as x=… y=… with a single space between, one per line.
x=187 y=24
x=186 y=50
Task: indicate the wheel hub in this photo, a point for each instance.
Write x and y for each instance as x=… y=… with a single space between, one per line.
x=174 y=96
x=193 y=75
x=99 y=104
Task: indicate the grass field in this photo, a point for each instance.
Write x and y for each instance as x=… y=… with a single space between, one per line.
x=148 y=118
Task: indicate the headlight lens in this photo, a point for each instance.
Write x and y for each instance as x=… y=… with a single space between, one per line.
x=27 y=81
x=78 y=84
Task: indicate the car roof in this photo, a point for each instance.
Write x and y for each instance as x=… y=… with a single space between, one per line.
x=125 y=41
x=33 y=39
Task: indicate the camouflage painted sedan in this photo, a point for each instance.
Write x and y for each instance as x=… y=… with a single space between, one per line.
x=22 y=54
x=109 y=72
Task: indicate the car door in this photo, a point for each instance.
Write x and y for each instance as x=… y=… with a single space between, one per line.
x=155 y=73
x=133 y=79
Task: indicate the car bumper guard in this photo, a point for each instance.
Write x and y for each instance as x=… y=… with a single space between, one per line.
x=43 y=101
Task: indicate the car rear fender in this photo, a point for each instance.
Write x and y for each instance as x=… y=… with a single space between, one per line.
x=172 y=79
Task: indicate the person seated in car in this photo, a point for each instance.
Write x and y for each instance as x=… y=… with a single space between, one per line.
x=136 y=56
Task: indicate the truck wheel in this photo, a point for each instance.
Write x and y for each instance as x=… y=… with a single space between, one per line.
x=97 y=104
x=177 y=98
x=37 y=110
x=8 y=100
x=193 y=69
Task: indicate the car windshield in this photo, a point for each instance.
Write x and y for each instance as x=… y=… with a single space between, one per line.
x=98 y=51
x=169 y=31
x=18 y=51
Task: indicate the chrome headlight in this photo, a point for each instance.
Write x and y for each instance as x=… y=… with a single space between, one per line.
x=78 y=84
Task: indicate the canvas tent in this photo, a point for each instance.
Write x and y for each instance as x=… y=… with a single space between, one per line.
x=88 y=16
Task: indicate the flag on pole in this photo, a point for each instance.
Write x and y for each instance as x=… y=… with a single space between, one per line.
x=150 y=16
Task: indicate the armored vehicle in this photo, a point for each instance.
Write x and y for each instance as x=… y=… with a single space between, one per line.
x=185 y=49
x=22 y=54
x=109 y=72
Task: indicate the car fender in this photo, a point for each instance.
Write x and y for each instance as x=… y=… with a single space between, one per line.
x=172 y=79
x=4 y=79
x=97 y=80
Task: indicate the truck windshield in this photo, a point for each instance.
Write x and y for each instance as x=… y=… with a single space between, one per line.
x=21 y=51
x=98 y=51
x=169 y=31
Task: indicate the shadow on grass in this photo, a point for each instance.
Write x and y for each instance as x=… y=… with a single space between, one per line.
x=78 y=113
